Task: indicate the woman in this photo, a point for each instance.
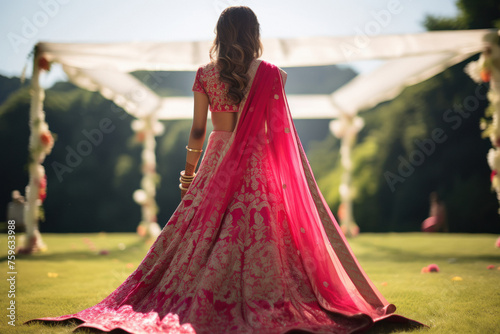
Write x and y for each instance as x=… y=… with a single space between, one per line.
x=252 y=247
x=437 y=215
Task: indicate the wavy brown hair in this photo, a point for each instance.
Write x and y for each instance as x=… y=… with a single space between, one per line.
x=236 y=44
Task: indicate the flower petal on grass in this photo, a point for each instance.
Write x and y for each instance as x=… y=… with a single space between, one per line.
x=433 y=268
x=457 y=278
x=491 y=266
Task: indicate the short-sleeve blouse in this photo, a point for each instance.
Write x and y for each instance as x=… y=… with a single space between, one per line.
x=207 y=81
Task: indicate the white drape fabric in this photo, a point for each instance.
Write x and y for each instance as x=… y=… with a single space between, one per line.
x=410 y=58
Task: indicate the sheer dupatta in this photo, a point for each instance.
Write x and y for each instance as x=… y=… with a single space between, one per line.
x=265 y=126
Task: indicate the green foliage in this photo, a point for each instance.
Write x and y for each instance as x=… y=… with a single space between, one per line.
x=434 y=23
x=14 y=135
x=456 y=168
x=95 y=193
x=473 y=14
x=7 y=87
x=323 y=155
x=171 y=159
x=480 y=14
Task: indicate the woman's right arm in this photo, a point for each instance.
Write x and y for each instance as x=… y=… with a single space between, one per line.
x=197 y=134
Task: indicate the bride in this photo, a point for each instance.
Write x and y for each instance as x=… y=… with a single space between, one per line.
x=253 y=246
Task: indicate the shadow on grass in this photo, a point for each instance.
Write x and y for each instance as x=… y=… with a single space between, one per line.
x=130 y=251
x=386 y=327
x=400 y=255
x=70 y=324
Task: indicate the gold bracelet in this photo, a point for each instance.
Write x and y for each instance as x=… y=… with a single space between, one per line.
x=183 y=174
x=193 y=150
x=182 y=188
x=182 y=180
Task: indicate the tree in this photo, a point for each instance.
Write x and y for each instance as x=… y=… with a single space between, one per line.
x=473 y=14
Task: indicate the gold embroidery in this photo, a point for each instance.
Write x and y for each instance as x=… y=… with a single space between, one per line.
x=207 y=80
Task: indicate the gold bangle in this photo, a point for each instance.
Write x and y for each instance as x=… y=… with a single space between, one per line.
x=182 y=188
x=193 y=150
x=183 y=180
x=183 y=174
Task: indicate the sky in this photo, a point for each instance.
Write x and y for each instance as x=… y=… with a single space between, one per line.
x=24 y=23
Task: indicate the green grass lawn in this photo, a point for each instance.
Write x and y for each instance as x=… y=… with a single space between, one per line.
x=71 y=276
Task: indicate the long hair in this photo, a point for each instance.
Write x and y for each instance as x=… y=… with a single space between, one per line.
x=236 y=44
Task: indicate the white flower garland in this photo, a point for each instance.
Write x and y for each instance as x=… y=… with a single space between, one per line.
x=487 y=69
x=146 y=129
x=346 y=128
x=40 y=145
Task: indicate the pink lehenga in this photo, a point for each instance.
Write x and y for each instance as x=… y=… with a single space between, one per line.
x=252 y=247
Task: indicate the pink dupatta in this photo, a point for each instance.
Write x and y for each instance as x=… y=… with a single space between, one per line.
x=265 y=124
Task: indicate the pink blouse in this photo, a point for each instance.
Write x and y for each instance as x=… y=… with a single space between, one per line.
x=207 y=81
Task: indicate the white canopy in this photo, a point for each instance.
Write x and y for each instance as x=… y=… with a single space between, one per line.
x=408 y=59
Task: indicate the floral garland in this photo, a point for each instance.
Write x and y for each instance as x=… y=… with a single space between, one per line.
x=487 y=70
x=346 y=128
x=145 y=131
x=40 y=145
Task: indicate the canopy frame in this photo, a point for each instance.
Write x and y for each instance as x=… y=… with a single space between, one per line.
x=410 y=58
